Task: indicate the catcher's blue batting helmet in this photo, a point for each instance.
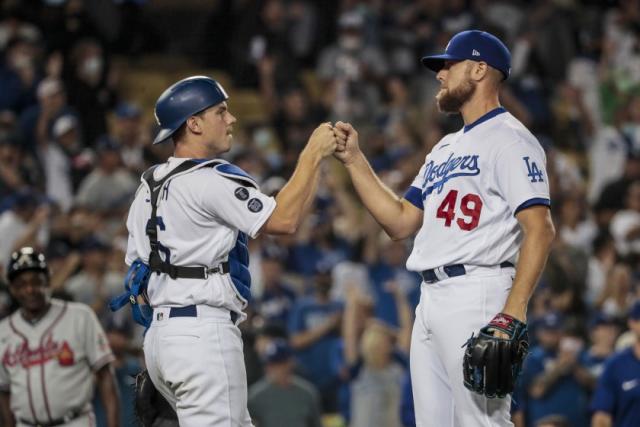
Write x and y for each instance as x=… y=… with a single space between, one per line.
x=184 y=99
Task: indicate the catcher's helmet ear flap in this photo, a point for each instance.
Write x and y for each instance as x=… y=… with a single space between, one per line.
x=184 y=99
x=26 y=259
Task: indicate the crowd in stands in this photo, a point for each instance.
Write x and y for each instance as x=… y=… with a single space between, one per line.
x=327 y=338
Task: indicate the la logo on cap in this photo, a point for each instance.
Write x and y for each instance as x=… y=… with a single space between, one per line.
x=475 y=53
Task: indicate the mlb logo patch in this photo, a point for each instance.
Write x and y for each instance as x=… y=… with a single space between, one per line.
x=160 y=316
x=254 y=205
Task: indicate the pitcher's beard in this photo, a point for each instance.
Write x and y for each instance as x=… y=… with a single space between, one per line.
x=450 y=101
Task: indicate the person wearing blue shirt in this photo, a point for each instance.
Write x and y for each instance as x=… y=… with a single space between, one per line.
x=314 y=325
x=616 y=401
x=553 y=378
x=275 y=303
x=387 y=273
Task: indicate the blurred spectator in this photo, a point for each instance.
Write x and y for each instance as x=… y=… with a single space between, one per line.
x=317 y=246
x=91 y=86
x=109 y=187
x=602 y=259
x=18 y=74
x=608 y=185
x=37 y=121
x=346 y=275
x=377 y=360
x=407 y=411
x=617 y=295
x=18 y=169
x=351 y=71
x=25 y=224
x=281 y=398
x=553 y=376
x=14 y=26
x=575 y=228
x=129 y=134
x=603 y=332
x=389 y=275
x=294 y=118
x=62 y=160
x=625 y=224
x=616 y=400
x=127 y=366
x=265 y=46
x=553 y=421
x=277 y=297
x=95 y=284
x=314 y=329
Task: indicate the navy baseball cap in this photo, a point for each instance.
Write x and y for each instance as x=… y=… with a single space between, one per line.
x=277 y=351
x=551 y=321
x=600 y=318
x=474 y=45
x=634 y=312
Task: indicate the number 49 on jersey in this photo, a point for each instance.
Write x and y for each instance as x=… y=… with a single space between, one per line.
x=470 y=207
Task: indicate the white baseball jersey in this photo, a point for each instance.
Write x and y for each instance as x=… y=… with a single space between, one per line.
x=470 y=187
x=47 y=366
x=199 y=214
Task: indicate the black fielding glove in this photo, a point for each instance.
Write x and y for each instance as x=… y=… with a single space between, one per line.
x=491 y=365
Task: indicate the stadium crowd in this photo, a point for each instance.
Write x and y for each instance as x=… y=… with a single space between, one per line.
x=327 y=336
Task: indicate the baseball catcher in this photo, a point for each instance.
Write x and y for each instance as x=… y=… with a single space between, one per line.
x=493 y=358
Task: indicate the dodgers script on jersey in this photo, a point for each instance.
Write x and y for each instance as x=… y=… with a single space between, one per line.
x=47 y=366
x=470 y=187
x=200 y=213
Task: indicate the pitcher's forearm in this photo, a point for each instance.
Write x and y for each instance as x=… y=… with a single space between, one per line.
x=384 y=205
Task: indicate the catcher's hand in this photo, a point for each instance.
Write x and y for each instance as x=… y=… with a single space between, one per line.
x=491 y=365
x=149 y=403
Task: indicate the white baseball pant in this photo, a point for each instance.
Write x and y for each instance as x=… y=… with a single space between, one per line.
x=448 y=312
x=198 y=365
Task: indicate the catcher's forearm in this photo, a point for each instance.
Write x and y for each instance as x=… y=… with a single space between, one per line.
x=538 y=237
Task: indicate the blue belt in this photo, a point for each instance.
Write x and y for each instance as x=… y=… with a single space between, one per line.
x=191 y=311
x=453 y=270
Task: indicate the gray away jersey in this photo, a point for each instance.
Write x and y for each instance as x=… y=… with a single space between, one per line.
x=48 y=366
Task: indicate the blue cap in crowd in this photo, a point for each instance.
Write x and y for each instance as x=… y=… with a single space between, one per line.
x=600 y=319
x=277 y=351
x=476 y=46
x=634 y=312
x=550 y=321
x=126 y=110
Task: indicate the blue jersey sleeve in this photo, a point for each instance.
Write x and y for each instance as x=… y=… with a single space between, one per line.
x=296 y=319
x=604 y=396
x=414 y=196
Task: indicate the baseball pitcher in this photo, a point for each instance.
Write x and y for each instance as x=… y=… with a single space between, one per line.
x=480 y=207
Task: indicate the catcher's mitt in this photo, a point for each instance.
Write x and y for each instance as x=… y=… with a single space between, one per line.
x=491 y=365
x=150 y=405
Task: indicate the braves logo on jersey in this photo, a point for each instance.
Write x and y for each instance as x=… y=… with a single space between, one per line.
x=26 y=357
x=437 y=174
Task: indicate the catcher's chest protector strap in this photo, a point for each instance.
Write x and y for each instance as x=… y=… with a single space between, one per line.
x=156 y=264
